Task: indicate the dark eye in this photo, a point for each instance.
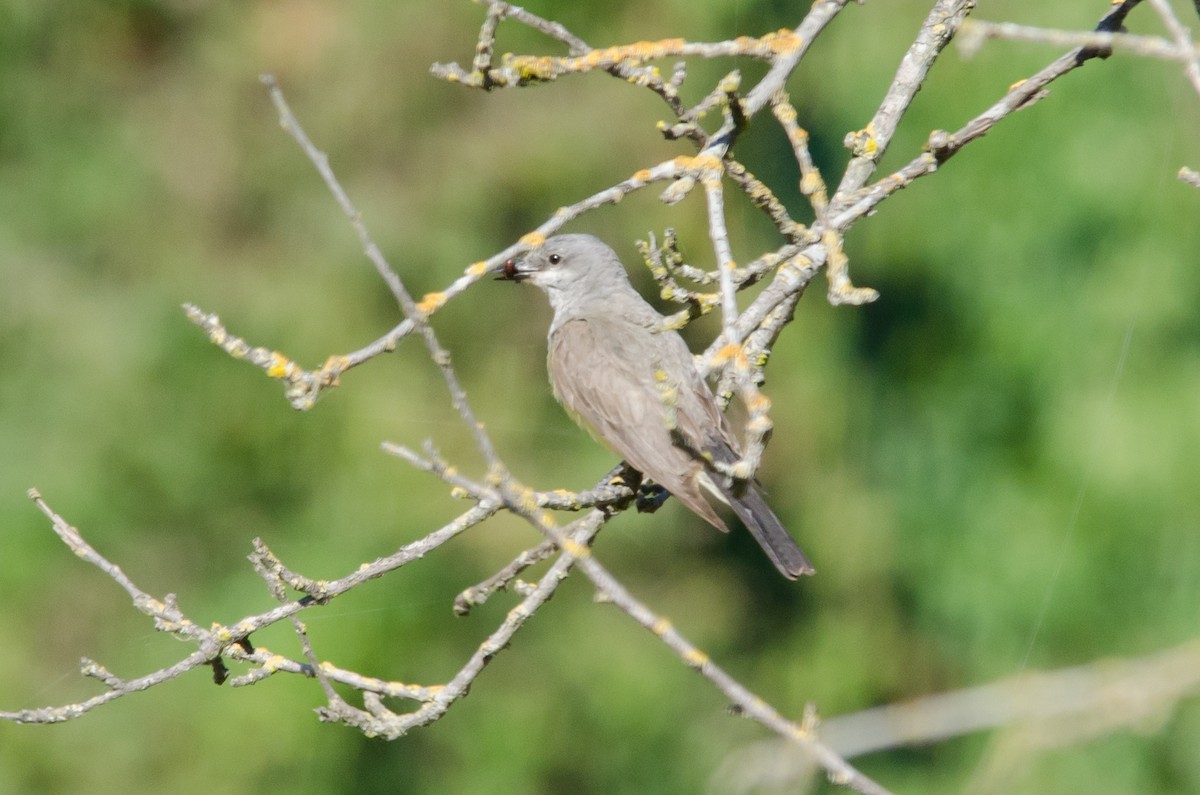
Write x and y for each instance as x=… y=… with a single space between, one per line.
x=555 y=259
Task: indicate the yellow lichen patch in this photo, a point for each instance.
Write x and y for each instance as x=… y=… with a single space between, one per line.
x=336 y=363
x=660 y=627
x=476 y=269
x=760 y=425
x=642 y=175
x=575 y=549
x=527 y=499
x=682 y=163
x=676 y=321
x=535 y=68
x=710 y=178
x=863 y=142
x=707 y=163
x=431 y=303
x=1017 y=84
x=638 y=51
x=810 y=183
x=595 y=58
x=783 y=41
x=730 y=351
x=758 y=403
x=280 y=366
x=670 y=46
x=533 y=239
x=695 y=658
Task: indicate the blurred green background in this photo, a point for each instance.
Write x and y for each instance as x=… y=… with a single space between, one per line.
x=994 y=467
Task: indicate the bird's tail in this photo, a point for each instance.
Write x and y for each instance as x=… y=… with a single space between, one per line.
x=767 y=530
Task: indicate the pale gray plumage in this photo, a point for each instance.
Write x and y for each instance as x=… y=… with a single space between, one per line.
x=605 y=346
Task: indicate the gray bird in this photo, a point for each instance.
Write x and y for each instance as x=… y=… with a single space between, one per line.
x=608 y=357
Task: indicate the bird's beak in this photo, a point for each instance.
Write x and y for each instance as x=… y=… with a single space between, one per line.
x=514 y=270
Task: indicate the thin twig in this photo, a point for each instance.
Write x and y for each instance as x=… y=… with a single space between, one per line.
x=976 y=31
x=1183 y=41
x=413 y=311
x=1046 y=709
x=941 y=146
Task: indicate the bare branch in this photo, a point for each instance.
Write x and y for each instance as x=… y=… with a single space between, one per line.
x=1039 y=711
x=941 y=146
x=869 y=144
x=379 y=721
x=1186 y=48
x=976 y=31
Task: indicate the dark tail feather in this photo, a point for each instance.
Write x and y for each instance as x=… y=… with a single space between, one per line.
x=762 y=523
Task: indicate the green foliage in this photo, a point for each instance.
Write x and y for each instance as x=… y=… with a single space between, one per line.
x=993 y=467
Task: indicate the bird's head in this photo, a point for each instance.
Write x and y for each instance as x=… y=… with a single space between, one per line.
x=571 y=269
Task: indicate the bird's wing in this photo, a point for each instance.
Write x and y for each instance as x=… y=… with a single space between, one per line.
x=603 y=373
